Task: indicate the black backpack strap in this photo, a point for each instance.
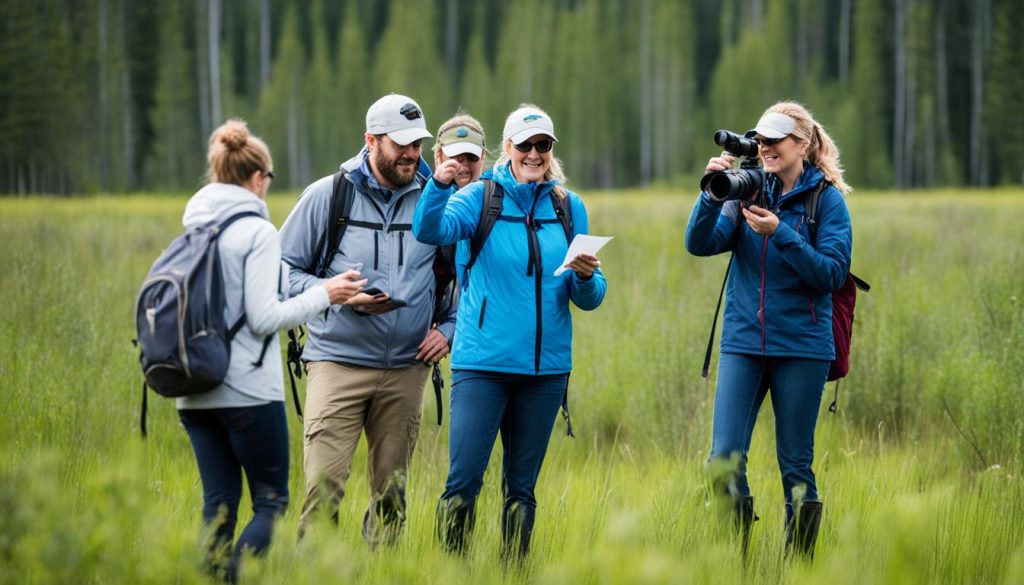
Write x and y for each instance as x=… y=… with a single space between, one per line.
x=565 y=409
x=142 y=416
x=342 y=196
x=494 y=198
x=564 y=213
x=294 y=363
x=714 y=321
x=438 y=381
x=811 y=205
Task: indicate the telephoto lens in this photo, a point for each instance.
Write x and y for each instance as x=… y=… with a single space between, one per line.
x=735 y=144
x=743 y=183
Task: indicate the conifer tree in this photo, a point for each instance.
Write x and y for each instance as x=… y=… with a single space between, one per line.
x=176 y=160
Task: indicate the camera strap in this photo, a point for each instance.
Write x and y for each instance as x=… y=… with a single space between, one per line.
x=714 y=321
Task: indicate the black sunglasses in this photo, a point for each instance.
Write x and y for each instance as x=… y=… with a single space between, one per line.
x=269 y=175
x=544 y=145
x=769 y=141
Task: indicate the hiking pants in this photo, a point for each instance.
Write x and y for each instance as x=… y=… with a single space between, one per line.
x=227 y=441
x=523 y=408
x=343 y=401
x=796 y=386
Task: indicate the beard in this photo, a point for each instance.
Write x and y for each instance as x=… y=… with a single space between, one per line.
x=388 y=168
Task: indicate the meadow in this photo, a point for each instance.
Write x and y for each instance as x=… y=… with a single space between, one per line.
x=920 y=468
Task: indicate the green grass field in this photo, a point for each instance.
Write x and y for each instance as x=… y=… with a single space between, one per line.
x=920 y=470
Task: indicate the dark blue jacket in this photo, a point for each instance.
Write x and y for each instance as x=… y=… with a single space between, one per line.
x=778 y=300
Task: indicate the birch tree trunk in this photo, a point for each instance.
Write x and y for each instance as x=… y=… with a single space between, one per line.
x=900 y=92
x=213 y=55
x=645 y=97
x=979 y=46
x=845 y=16
x=264 y=43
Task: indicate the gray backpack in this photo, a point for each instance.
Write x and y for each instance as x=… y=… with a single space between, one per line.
x=184 y=342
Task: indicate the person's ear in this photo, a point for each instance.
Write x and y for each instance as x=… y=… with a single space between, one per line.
x=371 y=141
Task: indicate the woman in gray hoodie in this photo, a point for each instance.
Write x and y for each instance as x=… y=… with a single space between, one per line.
x=241 y=424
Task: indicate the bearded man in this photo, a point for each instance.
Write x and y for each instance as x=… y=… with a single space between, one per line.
x=367 y=361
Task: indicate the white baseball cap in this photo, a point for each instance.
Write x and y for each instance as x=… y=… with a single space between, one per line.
x=399 y=117
x=461 y=140
x=775 y=125
x=526 y=122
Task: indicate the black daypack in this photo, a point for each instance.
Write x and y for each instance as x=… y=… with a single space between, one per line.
x=843 y=302
x=184 y=341
x=445 y=291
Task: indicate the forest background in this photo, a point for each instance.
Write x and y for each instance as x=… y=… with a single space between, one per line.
x=118 y=95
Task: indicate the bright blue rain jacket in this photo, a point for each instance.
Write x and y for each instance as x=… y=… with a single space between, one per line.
x=513 y=313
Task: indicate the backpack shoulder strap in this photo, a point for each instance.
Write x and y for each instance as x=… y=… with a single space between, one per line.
x=342 y=196
x=494 y=198
x=811 y=205
x=227 y=222
x=563 y=210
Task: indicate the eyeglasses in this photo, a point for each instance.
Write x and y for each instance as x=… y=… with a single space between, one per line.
x=769 y=141
x=269 y=175
x=542 y=146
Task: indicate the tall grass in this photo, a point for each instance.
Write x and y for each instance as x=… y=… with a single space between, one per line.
x=920 y=469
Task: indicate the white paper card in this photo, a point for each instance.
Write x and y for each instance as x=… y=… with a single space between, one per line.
x=582 y=244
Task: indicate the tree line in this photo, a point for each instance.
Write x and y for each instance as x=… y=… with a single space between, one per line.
x=120 y=95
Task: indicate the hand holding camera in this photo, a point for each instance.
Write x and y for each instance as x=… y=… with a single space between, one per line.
x=746 y=184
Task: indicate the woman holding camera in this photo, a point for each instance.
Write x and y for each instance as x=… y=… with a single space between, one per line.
x=513 y=337
x=777 y=329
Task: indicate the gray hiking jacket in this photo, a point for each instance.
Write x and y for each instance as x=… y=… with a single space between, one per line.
x=392 y=259
x=255 y=283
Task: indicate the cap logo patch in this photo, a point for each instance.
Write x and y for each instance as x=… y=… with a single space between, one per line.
x=462 y=132
x=410 y=111
x=532 y=117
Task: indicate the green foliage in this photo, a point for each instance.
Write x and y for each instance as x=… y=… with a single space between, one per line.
x=173 y=162
x=920 y=470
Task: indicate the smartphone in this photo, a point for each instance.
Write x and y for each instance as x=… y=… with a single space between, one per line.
x=392 y=304
x=373 y=291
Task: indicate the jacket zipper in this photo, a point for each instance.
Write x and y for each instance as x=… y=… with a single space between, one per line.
x=538 y=275
x=483 y=310
x=810 y=305
x=401 y=248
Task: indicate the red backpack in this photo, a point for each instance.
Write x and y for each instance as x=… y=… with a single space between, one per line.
x=843 y=302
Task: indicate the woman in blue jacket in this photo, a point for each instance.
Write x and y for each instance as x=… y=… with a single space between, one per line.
x=513 y=338
x=777 y=329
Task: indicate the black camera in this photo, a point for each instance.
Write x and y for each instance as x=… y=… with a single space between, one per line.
x=746 y=183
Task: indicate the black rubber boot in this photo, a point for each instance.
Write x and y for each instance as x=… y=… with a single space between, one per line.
x=745 y=519
x=802 y=530
x=516 y=530
x=384 y=520
x=454 y=524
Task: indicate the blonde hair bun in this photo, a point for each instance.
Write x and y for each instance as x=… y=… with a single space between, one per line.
x=234 y=135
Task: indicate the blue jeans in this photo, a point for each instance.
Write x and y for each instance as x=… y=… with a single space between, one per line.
x=523 y=408
x=796 y=387
x=227 y=441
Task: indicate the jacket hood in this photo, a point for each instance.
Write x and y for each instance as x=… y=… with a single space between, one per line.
x=807 y=181
x=218 y=201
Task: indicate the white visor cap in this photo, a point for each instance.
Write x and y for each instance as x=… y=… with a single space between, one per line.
x=775 y=125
